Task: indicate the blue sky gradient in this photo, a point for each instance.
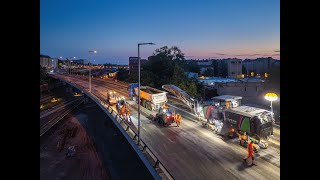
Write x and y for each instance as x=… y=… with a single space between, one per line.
x=200 y=28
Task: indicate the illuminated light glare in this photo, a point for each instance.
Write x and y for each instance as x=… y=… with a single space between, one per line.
x=271 y=97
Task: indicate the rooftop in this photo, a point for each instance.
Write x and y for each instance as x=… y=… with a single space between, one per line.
x=247 y=110
x=227 y=97
x=217 y=79
x=46 y=56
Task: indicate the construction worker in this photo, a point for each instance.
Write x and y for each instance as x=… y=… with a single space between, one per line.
x=128 y=113
x=122 y=110
x=250 y=153
x=243 y=136
x=178 y=119
x=227 y=105
x=118 y=105
x=231 y=132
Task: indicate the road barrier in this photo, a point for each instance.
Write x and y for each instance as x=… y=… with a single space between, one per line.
x=153 y=163
x=142 y=144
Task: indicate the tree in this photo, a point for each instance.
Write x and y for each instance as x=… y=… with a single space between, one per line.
x=244 y=70
x=194 y=67
x=209 y=72
x=220 y=68
x=122 y=74
x=133 y=78
x=178 y=75
x=192 y=89
x=168 y=66
x=273 y=82
x=60 y=63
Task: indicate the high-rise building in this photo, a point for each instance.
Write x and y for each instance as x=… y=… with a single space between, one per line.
x=234 y=67
x=45 y=61
x=259 y=65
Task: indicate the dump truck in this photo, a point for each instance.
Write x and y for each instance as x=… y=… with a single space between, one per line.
x=150 y=98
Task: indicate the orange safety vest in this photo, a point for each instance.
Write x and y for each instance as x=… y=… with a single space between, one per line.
x=227 y=105
x=127 y=112
x=243 y=137
x=122 y=110
x=178 y=118
x=250 y=149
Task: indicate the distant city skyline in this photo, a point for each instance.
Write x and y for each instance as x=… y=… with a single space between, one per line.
x=204 y=29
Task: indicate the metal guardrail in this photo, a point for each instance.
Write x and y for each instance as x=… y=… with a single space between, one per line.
x=123 y=123
x=145 y=147
x=129 y=131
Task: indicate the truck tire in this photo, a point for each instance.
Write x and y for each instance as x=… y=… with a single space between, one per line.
x=163 y=124
x=158 y=119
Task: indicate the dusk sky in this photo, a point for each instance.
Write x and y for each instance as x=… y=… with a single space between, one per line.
x=200 y=28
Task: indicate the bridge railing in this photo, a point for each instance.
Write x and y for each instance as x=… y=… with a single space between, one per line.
x=131 y=132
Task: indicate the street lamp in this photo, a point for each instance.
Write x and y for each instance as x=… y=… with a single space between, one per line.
x=94 y=52
x=139 y=44
x=70 y=64
x=271 y=97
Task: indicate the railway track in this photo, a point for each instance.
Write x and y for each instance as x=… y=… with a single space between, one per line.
x=45 y=99
x=48 y=122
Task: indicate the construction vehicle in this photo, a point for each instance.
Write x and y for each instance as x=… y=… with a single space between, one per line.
x=193 y=104
x=256 y=122
x=165 y=116
x=226 y=116
x=214 y=111
x=150 y=98
x=111 y=97
x=227 y=101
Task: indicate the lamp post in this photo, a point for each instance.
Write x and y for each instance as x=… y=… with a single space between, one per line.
x=91 y=51
x=139 y=44
x=271 y=97
x=70 y=64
